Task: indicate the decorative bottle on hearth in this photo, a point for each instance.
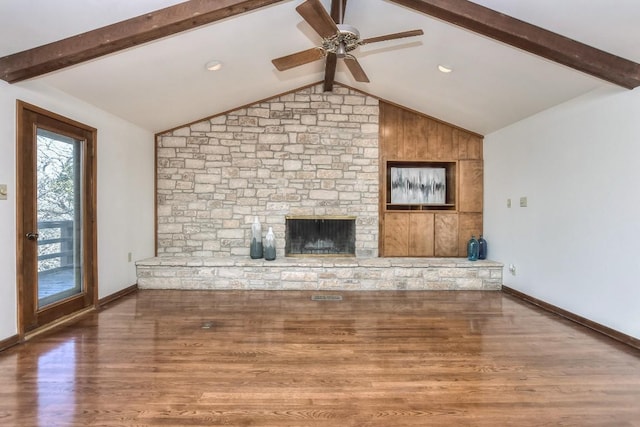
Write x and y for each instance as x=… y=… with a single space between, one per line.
x=255 y=249
x=472 y=249
x=482 y=248
x=270 y=245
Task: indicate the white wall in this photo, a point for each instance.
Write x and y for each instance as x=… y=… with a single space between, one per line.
x=577 y=244
x=125 y=192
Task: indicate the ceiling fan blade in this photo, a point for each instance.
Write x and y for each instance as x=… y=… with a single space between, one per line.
x=393 y=36
x=330 y=71
x=299 y=58
x=315 y=14
x=337 y=10
x=356 y=70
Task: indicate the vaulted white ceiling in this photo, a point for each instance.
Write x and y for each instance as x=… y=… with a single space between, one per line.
x=164 y=84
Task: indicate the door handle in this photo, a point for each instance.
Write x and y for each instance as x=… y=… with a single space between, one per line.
x=32 y=236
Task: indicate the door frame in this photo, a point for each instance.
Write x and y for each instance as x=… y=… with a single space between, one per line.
x=30 y=317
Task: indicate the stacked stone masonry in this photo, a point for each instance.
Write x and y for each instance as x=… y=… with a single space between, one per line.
x=304 y=153
x=349 y=274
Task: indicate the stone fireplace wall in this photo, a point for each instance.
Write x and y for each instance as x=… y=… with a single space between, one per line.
x=304 y=153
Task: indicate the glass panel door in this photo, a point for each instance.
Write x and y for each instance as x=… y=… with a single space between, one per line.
x=56 y=228
x=59 y=216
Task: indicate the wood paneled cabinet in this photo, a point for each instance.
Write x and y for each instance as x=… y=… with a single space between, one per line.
x=421 y=234
x=412 y=146
x=409 y=234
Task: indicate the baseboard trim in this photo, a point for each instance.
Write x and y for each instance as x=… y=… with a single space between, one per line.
x=116 y=296
x=9 y=342
x=605 y=330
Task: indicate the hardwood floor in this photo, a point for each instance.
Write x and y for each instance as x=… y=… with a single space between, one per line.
x=192 y=358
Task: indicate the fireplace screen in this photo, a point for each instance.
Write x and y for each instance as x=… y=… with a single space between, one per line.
x=320 y=235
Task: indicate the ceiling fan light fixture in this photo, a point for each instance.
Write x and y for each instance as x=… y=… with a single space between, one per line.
x=445 y=69
x=344 y=41
x=213 y=65
x=348 y=30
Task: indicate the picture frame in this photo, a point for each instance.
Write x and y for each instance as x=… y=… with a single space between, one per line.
x=418 y=185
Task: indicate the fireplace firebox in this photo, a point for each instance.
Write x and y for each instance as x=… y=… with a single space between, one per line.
x=320 y=236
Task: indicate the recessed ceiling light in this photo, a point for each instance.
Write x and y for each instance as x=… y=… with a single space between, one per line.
x=214 y=65
x=444 y=69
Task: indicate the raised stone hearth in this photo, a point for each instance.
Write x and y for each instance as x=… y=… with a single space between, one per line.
x=352 y=274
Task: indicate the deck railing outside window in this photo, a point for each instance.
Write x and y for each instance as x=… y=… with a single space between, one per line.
x=55 y=245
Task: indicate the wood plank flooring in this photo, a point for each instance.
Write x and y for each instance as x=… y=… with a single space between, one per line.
x=192 y=358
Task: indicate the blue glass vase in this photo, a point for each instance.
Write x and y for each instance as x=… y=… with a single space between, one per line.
x=472 y=249
x=482 y=248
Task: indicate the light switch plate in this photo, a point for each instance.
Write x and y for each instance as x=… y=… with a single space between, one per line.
x=3 y=191
x=508 y=203
x=523 y=202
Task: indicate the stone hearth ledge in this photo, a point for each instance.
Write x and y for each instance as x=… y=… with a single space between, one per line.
x=318 y=273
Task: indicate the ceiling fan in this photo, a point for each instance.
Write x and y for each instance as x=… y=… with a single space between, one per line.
x=337 y=41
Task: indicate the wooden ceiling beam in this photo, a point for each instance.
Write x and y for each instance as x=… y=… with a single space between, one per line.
x=121 y=35
x=531 y=38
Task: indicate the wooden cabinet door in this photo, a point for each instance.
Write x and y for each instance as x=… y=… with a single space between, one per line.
x=469 y=224
x=471 y=184
x=421 y=230
x=446 y=235
x=396 y=234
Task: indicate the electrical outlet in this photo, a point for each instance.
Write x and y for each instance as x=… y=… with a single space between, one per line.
x=3 y=191
x=512 y=269
x=523 y=202
x=129 y=257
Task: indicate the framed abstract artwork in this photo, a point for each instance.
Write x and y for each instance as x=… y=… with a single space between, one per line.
x=418 y=185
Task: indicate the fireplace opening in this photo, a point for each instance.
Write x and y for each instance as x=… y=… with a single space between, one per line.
x=320 y=235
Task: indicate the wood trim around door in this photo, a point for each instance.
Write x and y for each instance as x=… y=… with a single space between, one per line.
x=29 y=117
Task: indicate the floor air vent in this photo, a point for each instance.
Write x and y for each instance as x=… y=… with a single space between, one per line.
x=326 y=297
x=208 y=325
